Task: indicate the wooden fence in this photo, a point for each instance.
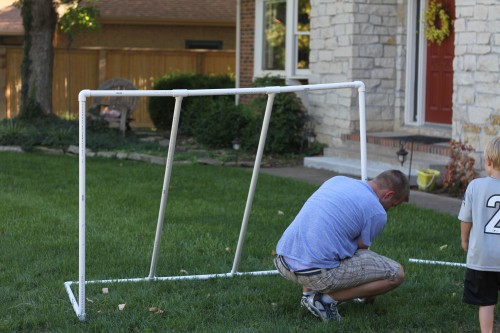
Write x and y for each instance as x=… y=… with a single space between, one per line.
x=88 y=68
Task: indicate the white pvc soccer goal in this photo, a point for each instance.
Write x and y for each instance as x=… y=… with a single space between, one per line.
x=79 y=306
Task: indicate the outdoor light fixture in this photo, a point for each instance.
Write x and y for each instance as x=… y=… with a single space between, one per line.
x=236 y=147
x=402 y=153
x=311 y=137
x=236 y=144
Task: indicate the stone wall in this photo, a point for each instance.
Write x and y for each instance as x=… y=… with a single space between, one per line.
x=476 y=81
x=353 y=41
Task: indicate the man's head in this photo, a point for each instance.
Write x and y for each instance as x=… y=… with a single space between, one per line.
x=392 y=188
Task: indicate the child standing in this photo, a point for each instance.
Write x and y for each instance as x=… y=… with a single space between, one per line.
x=480 y=234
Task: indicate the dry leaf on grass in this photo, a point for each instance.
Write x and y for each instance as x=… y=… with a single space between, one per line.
x=156 y=309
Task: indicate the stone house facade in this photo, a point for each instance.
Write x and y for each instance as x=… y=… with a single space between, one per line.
x=412 y=86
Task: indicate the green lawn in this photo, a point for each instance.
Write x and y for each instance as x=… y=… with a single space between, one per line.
x=39 y=252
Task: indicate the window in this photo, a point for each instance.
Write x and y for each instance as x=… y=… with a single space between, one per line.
x=274 y=35
x=282 y=38
x=301 y=34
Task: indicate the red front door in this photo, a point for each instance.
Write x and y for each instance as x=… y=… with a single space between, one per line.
x=439 y=79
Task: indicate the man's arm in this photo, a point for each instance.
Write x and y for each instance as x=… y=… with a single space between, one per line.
x=465 y=228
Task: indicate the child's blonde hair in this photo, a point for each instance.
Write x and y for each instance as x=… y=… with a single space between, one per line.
x=492 y=152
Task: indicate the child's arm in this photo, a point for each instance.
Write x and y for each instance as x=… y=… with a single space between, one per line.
x=465 y=228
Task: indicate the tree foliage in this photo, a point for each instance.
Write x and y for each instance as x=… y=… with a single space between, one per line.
x=79 y=18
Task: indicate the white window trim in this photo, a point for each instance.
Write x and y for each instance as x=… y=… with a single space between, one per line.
x=290 y=45
x=411 y=60
x=292 y=52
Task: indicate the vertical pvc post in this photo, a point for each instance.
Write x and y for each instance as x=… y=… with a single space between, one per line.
x=81 y=215
x=362 y=129
x=166 y=184
x=253 y=182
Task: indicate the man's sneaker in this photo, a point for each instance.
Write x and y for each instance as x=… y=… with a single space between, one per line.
x=326 y=312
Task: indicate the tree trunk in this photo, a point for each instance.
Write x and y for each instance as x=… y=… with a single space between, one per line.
x=39 y=20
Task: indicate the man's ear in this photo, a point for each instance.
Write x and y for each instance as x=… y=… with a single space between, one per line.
x=388 y=195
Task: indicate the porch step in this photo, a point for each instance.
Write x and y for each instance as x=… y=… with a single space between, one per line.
x=423 y=153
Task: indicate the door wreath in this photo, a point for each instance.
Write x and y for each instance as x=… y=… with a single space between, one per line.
x=437 y=23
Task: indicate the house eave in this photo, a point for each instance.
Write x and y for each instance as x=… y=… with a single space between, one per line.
x=164 y=22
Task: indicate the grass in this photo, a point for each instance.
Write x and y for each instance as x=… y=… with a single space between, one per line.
x=39 y=252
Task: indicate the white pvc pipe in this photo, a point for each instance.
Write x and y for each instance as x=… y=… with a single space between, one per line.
x=177 y=277
x=436 y=262
x=362 y=130
x=218 y=92
x=81 y=206
x=74 y=303
x=253 y=182
x=166 y=184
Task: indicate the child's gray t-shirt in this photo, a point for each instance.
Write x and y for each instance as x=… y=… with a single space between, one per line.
x=481 y=206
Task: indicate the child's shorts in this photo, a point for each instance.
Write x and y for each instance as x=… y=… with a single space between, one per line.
x=363 y=267
x=481 y=287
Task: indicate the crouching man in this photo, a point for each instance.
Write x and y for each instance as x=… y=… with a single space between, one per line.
x=325 y=248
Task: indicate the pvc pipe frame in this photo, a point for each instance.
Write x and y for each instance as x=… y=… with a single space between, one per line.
x=79 y=306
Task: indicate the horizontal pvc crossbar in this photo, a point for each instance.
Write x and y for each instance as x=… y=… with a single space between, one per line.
x=217 y=92
x=179 y=94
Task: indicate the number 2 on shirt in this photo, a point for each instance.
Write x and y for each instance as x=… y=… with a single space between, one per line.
x=493 y=225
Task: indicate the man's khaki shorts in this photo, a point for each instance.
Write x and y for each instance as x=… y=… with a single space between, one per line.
x=363 y=267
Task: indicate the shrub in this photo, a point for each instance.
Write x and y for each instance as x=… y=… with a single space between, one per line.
x=217 y=122
x=161 y=108
x=14 y=132
x=58 y=133
x=459 y=172
x=287 y=123
x=61 y=136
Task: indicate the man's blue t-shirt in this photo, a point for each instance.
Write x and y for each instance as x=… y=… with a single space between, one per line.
x=327 y=228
